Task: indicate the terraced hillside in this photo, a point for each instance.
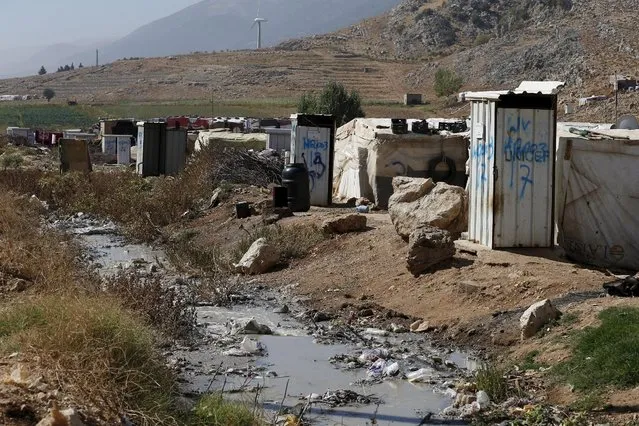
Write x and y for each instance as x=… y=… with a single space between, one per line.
x=237 y=75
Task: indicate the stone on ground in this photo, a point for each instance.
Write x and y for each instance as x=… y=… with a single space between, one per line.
x=259 y=259
x=427 y=247
x=61 y=418
x=345 y=224
x=535 y=317
x=418 y=202
x=250 y=327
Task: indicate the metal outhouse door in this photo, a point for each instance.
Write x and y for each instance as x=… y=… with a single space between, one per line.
x=313 y=144
x=512 y=169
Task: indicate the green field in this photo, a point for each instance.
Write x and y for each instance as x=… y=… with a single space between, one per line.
x=57 y=116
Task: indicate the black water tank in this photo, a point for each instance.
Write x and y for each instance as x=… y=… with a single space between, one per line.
x=295 y=179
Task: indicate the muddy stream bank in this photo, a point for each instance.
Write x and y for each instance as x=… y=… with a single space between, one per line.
x=267 y=349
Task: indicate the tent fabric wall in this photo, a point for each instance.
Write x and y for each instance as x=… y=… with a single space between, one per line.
x=368 y=157
x=597 y=199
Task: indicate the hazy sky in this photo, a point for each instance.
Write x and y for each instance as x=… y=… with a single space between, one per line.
x=45 y=22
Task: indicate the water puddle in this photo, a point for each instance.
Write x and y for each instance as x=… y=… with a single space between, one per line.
x=293 y=361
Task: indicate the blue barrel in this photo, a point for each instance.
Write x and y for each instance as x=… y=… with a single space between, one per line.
x=295 y=179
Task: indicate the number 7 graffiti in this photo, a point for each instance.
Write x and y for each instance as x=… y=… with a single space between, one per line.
x=526 y=180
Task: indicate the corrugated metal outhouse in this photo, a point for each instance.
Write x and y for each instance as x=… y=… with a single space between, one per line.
x=161 y=151
x=512 y=161
x=313 y=143
x=173 y=152
x=278 y=139
x=151 y=137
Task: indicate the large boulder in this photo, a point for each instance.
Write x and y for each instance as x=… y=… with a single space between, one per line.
x=428 y=246
x=259 y=259
x=535 y=317
x=418 y=202
x=345 y=224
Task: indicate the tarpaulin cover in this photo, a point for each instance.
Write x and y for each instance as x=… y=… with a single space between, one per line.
x=597 y=200
x=368 y=156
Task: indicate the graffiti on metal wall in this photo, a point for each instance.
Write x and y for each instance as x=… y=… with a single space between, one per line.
x=483 y=152
x=611 y=253
x=523 y=152
x=315 y=164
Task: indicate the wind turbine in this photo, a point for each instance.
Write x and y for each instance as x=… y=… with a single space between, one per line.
x=258 y=21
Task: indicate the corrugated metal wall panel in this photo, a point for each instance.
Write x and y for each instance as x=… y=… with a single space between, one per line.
x=175 y=151
x=524 y=190
x=482 y=163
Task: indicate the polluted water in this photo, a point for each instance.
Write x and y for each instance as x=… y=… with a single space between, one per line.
x=287 y=365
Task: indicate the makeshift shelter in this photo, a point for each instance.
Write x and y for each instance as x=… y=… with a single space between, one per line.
x=368 y=155
x=597 y=195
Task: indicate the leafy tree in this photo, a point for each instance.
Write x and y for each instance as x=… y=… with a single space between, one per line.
x=48 y=94
x=72 y=66
x=334 y=99
x=80 y=66
x=447 y=82
x=67 y=68
x=42 y=71
x=60 y=69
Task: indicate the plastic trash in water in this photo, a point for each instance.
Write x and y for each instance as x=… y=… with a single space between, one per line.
x=420 y=375
x=391 y=370
x=373 y=355
x=252 y=346
x=377 y=369
x=363 y=209
x=314 y=397
x=376 y=332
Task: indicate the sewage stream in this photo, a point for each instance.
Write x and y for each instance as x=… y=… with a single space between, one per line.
x=317 y=366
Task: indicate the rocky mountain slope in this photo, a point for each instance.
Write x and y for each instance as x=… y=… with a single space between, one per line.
x=492 y=44
x=497 y=43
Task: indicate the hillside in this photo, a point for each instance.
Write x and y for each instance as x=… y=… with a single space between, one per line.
x=214 y=25
x=490 y=43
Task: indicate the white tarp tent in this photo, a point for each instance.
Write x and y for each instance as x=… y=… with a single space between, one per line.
x=597 y=197
x=204 y=138
x=368 y=155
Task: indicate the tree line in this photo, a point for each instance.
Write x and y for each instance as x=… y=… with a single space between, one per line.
x=67 y=67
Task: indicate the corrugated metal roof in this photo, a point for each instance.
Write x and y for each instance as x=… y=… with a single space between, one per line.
x=526 y=87
x=540 y=87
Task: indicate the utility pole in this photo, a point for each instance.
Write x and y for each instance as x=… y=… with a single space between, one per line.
x=616 y=87
x=97 y=61
x=212 y=105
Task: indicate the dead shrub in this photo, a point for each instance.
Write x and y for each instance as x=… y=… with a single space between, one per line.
x=159 y=305
x=45 y=258
x=293 y=241
x=93 y=349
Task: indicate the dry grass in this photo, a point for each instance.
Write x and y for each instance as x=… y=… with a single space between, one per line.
x=45 y=259
x=159 y=305
x=97 y=347
x=293 y=241
x=93 y=349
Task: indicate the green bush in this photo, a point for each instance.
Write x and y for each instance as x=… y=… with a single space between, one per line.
x=447 y=82
x=492 y=380
x=213 y=410
x=335 y=100
x=11 y=160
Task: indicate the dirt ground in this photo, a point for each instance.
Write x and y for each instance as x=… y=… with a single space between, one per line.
x=475 y=299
